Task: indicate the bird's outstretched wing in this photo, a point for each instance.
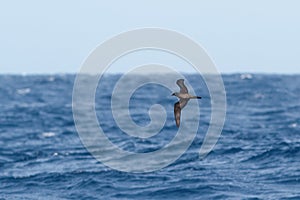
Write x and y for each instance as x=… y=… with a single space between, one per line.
x=180 y=83
x=177 y=110
x=177 y=113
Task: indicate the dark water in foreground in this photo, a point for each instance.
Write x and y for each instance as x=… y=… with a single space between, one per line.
x=257 y=156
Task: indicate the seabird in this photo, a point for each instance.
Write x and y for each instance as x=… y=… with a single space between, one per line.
x=184 y=97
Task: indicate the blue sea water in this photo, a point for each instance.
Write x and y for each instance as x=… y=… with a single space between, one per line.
x=256 y=157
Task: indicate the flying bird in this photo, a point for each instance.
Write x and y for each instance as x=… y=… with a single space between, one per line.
x=184 y=97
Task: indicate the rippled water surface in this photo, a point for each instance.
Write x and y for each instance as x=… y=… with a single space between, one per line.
x=257 y=156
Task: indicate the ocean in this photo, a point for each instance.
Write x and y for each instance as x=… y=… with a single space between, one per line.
x=256 y=157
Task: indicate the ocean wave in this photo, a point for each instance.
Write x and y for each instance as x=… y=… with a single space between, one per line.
x=257 y=155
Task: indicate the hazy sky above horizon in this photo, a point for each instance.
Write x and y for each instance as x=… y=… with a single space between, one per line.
x=240 y=36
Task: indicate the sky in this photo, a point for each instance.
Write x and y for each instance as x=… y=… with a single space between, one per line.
x=240 y=36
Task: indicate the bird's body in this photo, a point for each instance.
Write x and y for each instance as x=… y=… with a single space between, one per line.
x=184 y=97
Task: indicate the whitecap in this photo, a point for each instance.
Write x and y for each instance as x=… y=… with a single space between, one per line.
x=293 y=125
x=24 y=91
x=246 y=76
x=48 y=134
x=51 y=79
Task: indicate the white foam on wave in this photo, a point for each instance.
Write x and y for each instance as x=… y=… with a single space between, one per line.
x=51 y=79
x=24 y=91
x=48 y=134
x=246 y=76
x=293 y=125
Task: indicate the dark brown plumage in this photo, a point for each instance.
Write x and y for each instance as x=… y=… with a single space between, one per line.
x=184 y=97
x=177 y=113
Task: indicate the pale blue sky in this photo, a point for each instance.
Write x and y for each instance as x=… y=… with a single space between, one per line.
x=241 y=36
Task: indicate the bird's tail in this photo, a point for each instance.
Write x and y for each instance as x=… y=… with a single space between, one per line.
x=196 y=97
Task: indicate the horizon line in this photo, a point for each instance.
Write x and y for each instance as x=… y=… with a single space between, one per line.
x=159 y=73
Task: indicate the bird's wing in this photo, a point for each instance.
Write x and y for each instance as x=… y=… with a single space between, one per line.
x=177 y=113
x=183 y=88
